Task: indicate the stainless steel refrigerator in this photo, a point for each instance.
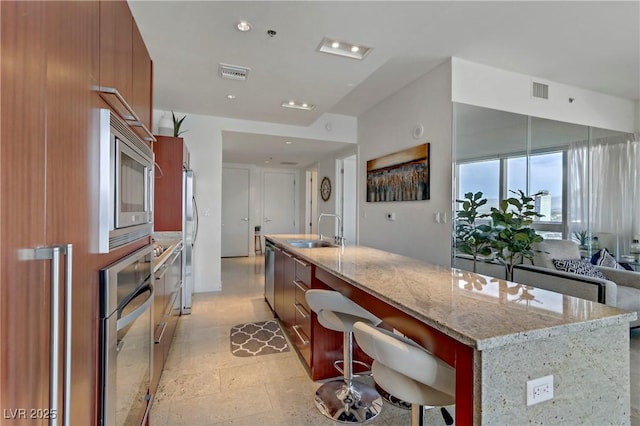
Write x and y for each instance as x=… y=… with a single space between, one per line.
x=189 y=235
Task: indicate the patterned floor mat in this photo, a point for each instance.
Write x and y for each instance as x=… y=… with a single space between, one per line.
x=257 y=338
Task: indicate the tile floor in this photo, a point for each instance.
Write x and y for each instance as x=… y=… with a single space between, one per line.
x=204 y=384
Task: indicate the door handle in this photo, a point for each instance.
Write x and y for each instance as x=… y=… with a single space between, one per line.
x=245 y=219
x=266 y=219
x=53 y=253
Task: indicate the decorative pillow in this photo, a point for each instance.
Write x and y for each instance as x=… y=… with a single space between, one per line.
x=578 y=266
x=604 y=258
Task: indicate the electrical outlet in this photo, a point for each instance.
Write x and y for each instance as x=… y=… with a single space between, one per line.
x=539 y=390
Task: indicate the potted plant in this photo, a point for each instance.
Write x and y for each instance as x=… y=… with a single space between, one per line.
x=583 y=238
x=512 y=232
x=177 y=123
x=472 y=238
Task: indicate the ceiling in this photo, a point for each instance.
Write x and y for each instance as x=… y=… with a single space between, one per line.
x=593 y=45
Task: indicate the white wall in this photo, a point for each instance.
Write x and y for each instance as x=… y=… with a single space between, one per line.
x=204 y=139
x=490 y=87
x=387 y=128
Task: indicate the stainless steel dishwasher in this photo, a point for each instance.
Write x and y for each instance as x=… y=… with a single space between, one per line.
x=269 y=273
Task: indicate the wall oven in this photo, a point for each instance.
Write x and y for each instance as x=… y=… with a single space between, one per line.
x=126 y=345
x=126 y=184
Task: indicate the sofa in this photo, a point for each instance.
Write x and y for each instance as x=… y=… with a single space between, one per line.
x=619 y=287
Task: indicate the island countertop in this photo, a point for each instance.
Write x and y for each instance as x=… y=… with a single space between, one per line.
x=479 y=311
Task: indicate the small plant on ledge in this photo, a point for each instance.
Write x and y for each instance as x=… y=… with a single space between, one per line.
x=177 y=123
x=583 y=238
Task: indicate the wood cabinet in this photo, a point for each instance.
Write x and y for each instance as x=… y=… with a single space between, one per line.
x=141 y=78
x=116 y=47
x=317 y=346
x=50 y=63
x=125 y=64
x=171 y=155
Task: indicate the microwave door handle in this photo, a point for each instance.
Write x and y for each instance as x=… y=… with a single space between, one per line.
x=195 y=221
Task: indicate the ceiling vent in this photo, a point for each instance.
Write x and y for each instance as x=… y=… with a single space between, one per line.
x=289 y=163
x=539 y=90
x=233 y=72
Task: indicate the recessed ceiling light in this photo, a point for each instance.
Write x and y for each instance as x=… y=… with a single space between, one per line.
x=231 y=97
x=244 y=26
x=288 y=142
x=297 y=105
x=342 y=48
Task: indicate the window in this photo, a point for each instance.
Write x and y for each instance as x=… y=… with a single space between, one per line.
x=483 y=176
x=546 y=174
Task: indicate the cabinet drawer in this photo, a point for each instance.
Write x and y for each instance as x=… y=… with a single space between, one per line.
x=303 y=318
x=300 y=298
x=302 y=342
x=303 y=272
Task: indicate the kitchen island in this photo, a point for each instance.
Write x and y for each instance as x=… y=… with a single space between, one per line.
x=497 y=334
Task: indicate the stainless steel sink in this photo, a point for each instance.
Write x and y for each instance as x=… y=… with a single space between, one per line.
x=310 y=243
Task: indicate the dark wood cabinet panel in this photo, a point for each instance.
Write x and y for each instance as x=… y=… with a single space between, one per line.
x=24 y=371
x=141 y=93
x=72 y=68
x=116 y=35
x=48 y=140
x=288 y=317
x=167 y=215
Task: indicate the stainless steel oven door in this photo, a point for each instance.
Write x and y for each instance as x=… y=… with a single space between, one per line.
x=128 y=357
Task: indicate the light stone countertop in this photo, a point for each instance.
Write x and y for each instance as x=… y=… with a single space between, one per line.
x=480 y=311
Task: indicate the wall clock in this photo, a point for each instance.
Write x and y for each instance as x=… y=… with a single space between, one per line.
x=325 y=189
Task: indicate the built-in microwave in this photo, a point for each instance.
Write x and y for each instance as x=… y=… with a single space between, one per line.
x=126 y=184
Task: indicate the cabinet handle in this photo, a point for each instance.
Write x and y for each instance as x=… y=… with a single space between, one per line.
x=302 y=339
x=301 y=285
x=53 y=253
x=287 y=254
x=301 y=310
x=306 y=265
x=164 y=327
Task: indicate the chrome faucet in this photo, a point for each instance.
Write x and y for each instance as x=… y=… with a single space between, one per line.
x=338 y=239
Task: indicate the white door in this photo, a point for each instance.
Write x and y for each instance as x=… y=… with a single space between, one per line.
x=349 y=198
x=279 y=210
x=235 y=212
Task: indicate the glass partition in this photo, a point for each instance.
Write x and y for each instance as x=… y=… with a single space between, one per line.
x=587 y=178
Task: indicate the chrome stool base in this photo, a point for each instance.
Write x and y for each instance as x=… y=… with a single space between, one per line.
x=359 y=404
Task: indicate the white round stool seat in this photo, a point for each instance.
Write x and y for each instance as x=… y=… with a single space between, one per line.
x=337 y=312
x=405 y=369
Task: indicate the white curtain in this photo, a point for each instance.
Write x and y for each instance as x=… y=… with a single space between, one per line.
x=603 y=188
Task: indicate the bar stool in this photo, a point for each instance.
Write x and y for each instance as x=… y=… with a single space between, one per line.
x=257 y=240
x=408 y=371
x=346 y=400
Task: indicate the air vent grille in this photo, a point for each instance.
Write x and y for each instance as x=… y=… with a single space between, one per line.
x=539 y=90
x=233 y=72
x=289 y=163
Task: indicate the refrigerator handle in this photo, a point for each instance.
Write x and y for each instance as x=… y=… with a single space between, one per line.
x=195 y=220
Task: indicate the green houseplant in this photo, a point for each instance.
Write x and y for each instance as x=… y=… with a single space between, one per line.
x=177 y=123
x=472 y=238
x=513 y=235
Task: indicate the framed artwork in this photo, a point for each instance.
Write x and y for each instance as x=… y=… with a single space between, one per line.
x=401 y=176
